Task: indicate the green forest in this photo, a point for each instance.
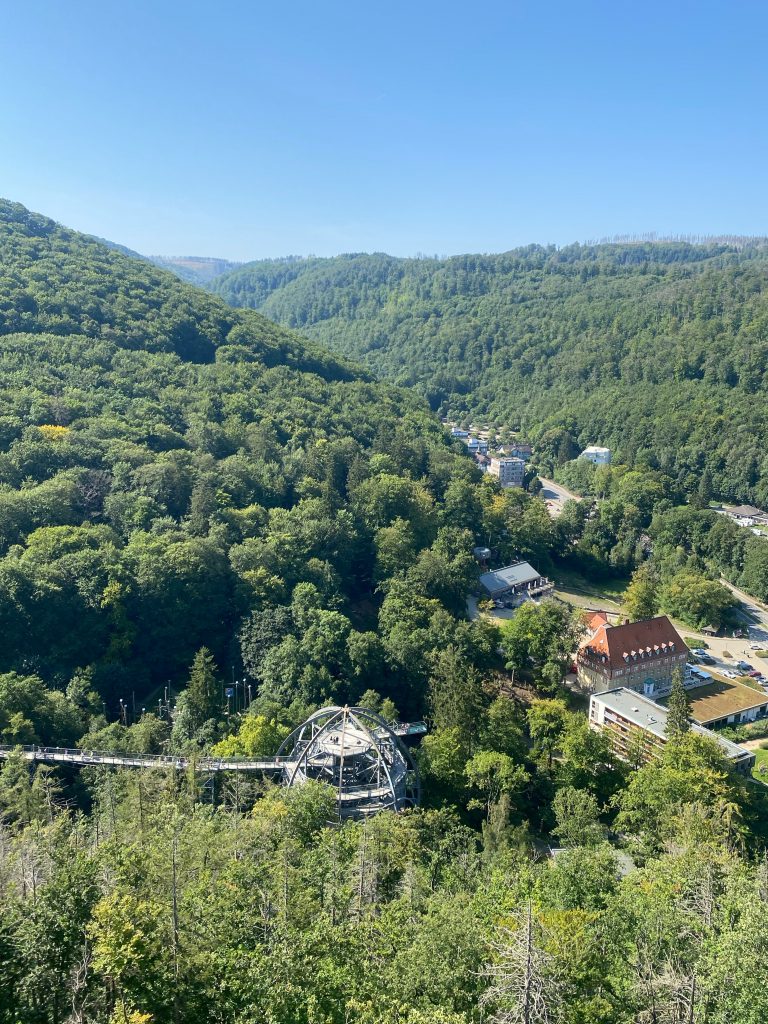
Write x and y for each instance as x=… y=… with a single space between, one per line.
x=193 y=500
x=657 y=350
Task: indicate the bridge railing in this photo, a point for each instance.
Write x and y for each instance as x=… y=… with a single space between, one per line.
x=84 y=755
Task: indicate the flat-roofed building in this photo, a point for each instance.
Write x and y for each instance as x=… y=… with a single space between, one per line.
x=516 y=582
x=594 y=453
x=636 y=727
x=639 y=655
x=510 y=471
x=721 y=702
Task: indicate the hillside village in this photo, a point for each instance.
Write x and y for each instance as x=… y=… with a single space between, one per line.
x=626 y=669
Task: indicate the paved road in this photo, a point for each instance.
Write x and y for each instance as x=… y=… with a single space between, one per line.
x=555 y=496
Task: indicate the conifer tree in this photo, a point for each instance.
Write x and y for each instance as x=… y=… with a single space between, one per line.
x=678 y=708
x=203 y=689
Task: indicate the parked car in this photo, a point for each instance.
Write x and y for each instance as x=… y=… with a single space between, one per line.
x=755 y=674
x=699 y=652
x=755 y=646
x=743 y=666
x=730 y=674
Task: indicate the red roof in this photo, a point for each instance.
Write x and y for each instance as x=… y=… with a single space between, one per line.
x=617 y=646
x=595 y=620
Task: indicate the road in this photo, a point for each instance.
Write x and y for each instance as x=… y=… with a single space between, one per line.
x=555 y=496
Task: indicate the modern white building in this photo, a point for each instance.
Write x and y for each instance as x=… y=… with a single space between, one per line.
x=510 y=471
x=600 y=456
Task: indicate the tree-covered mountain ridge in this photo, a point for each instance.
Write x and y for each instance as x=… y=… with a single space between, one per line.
x=57 y=281
x=656 y=349
x=170 y=466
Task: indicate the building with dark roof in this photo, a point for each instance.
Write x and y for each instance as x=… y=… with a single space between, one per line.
x=640 y=656
x=515 y=582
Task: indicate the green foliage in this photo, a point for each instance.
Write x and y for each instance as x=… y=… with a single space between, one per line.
x=577 y=817
x=561 y=343
x=696 y=600
x=175 y=473
x=538 y=642
x=256 y=736
x=641 y=598
x=678 y=708
x=692 y=776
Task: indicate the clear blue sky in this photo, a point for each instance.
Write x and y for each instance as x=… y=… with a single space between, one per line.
x=247 y=129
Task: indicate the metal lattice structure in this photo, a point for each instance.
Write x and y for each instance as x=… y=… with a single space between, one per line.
x=356 y=752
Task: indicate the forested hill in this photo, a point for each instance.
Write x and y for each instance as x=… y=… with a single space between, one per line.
x=57 y=281
x=169 y=466
x=655 y=349
x=194 y=269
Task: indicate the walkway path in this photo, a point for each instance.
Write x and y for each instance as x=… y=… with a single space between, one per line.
x=83 y=757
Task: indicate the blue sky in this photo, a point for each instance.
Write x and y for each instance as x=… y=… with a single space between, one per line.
x=245 y=129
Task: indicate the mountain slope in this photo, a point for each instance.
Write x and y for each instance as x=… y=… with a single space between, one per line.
x=56 y=280
x=169 y=465
x=200 y=270
x=658 y=350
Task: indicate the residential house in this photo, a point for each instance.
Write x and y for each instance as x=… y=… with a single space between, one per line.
x=600 y=456
x=594 y=620
x=519 y=450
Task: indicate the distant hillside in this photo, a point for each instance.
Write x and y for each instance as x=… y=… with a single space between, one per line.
x=194 y=269
x=656 y=349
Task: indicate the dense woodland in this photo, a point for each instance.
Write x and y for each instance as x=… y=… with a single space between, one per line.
x=193 y=498
x=657 y=350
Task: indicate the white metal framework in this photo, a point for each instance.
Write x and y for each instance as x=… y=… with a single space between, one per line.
x=359 y=754
x=352 y=749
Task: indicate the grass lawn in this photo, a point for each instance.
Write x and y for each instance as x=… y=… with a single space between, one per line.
x=761 y=758
x=577 y=589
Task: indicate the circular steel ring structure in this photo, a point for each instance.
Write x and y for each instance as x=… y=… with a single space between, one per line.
x=356 y=752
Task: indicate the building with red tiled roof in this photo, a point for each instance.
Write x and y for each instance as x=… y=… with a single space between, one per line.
x=640 y=656
x=594 y=620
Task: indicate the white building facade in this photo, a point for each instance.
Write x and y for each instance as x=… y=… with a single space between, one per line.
x=600 y=456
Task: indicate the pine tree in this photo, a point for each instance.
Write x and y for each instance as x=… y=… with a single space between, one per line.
x=203 y=689
x=678 y=708
x=525 y=983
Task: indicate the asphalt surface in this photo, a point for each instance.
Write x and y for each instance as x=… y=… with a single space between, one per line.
x=555 y=496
